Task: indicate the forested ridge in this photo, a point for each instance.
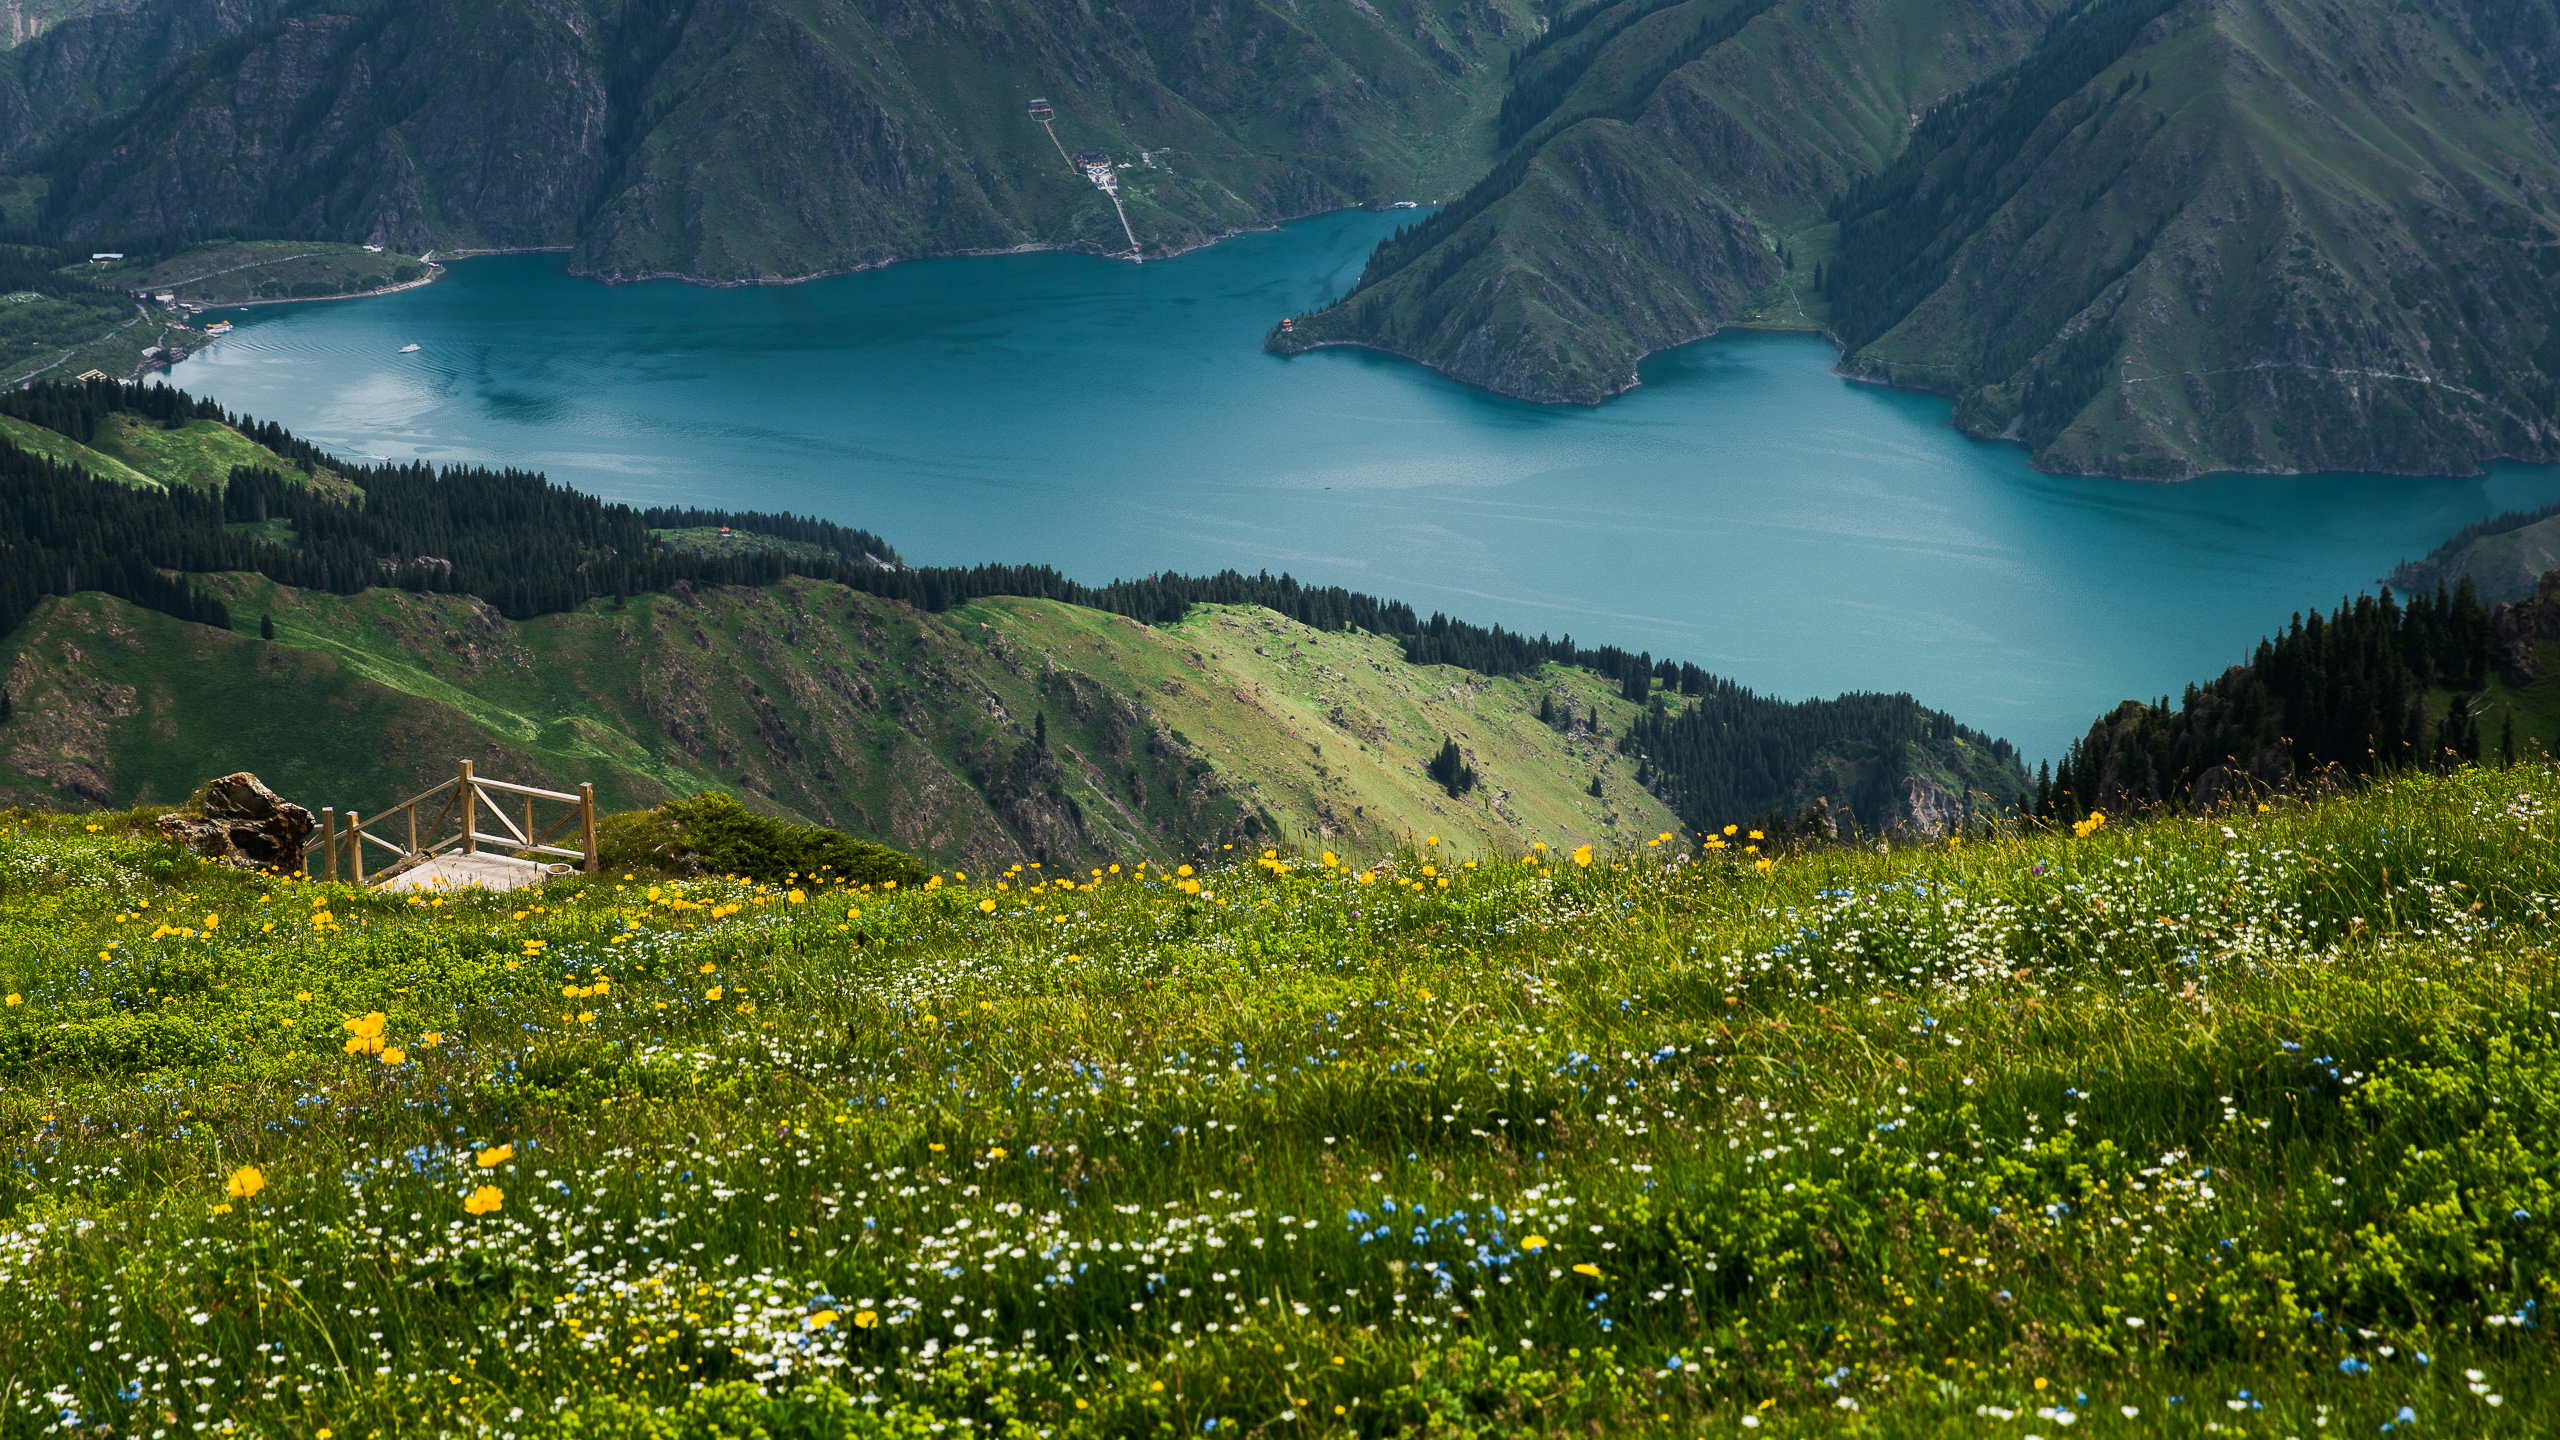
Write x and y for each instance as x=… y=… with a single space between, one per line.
x=1733 y=755
x=843 y=540
x=530 y=547
x=2415 y=574
x=2344 y=695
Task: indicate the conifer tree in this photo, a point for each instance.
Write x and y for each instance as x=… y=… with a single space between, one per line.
x=1451 y=769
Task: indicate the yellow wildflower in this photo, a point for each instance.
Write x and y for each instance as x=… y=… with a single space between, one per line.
x=484 y=1200
x=245 y=1182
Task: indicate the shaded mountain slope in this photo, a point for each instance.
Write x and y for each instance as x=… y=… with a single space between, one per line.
x=1645 y=206
x=2252 y=234
x=747 y=139
x=2268 y=235
x=2503 y=557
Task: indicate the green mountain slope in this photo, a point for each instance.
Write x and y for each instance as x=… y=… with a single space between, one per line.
x=744 y=140
x=824 y=705
x=1646 y=207
x=63 y=450
x=2504 y=557
x=2176 y=237
x=2267 y=235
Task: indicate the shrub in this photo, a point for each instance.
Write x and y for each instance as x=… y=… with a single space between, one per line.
x=713 y=834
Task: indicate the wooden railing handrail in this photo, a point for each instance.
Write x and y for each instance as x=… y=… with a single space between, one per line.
x=521 y=838
x=468 y=793
x=501 y=840
x=522 y=790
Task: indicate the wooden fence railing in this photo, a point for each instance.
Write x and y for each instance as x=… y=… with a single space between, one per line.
x=466 y=802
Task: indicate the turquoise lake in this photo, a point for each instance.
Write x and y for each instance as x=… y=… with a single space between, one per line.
x=1744 y=508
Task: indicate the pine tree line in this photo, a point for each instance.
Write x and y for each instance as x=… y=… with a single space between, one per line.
x=1734 y=755
x=2344 y=694
x=62 y=532
x=845 y=541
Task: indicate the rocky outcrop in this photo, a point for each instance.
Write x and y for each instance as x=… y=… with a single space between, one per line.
x=1930 y=810
x=2524 y=626
x=239 y=821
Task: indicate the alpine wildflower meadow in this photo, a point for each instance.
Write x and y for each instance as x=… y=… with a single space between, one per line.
x=2244 y=1125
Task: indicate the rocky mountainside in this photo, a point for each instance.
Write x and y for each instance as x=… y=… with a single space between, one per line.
x=730 y=140
x=2268 y=235
x=1661 y=156
x=2254 y=234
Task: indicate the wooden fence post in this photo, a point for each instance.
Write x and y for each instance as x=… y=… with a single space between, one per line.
x=329 y=842
x=587 y=811
x=355 y=847
x=470 y=811
x=413 y=827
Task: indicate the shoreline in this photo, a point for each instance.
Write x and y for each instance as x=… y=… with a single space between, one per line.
x=435 y=270
x=651 y=276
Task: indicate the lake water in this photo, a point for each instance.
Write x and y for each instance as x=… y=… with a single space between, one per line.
x=1744 y=509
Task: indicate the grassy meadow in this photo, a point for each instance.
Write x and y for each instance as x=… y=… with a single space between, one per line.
x=2244 y=1126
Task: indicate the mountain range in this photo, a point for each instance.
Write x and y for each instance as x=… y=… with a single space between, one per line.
x=2149 y=238
x=735 y=140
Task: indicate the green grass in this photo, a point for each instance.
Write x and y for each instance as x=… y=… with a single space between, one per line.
x=201 y=453
x=2243 y=1124
x=132 y=705
x=227 y=272
x=61 y=449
